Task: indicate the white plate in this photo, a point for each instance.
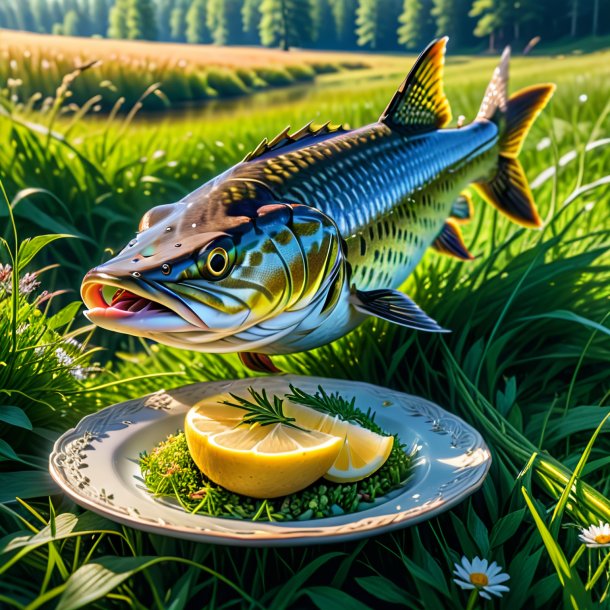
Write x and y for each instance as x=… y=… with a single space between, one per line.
x=97 y=465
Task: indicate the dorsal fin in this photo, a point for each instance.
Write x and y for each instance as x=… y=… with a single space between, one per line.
x=420 y=103
x=494 y=101
x=284 y=138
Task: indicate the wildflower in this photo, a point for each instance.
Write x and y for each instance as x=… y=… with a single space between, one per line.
x=480 y=576
x=596 y=536
x=582 y=98
x=28 y=283
x=63 y=357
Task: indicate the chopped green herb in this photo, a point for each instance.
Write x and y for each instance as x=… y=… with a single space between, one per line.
x=169 y=470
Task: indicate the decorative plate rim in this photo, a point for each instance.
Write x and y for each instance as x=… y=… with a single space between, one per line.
x=68 y=463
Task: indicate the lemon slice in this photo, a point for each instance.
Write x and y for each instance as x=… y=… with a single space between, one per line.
x=208 y=417
x=363 y=453
x=268 y=461
x=276 y=460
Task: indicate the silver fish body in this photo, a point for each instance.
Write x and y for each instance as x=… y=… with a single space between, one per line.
x=315 y=231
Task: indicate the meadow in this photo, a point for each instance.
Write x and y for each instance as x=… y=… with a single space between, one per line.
x=188 y=73
x=526 y=362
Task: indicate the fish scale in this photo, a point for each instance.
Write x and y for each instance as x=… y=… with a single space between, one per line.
x=315 y=230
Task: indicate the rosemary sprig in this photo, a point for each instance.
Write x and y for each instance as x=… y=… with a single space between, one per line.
x=260 y=410
x=335 y=405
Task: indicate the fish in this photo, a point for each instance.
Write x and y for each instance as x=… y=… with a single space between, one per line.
x=316 y=230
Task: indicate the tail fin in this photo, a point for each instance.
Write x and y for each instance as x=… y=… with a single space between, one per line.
x=509 y=190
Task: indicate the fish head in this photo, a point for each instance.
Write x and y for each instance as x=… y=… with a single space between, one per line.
x=193 y=282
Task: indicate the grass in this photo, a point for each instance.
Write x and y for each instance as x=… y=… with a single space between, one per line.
x=124 y=69
x=526 y=362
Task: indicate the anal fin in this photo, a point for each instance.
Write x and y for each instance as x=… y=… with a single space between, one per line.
x=396 y=307
x=451 y=242
x=510 y=193
x=261 y=363
x=462 y=209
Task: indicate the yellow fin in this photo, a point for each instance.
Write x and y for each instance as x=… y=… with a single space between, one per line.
x=285 y=139
x=521 y=111
x=510 y=193
x=420 y=103
x=451 y=242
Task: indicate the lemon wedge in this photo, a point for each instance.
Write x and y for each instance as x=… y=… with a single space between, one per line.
x=208 y=417
x=268 y=461
x=363 y=453
x=257 y=461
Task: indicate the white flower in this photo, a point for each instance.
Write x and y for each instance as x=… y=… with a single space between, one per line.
x=582 y=98
x=63 y=357
x=481 y=575
x=596 y=536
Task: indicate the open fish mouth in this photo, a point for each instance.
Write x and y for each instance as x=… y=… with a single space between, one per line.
x=134 y=307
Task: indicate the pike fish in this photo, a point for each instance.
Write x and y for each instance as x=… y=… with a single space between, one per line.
x=316 y=230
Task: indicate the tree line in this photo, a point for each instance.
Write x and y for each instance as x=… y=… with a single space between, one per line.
x=383 y=25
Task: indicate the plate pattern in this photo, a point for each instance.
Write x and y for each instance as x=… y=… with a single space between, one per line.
x=452 y=461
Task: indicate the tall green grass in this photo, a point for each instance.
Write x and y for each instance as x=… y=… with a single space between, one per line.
x=526 y=364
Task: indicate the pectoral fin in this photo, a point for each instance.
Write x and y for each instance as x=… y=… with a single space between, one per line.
x=462 y=209
x=261 y=363
x=451 y=242
x=396 y=307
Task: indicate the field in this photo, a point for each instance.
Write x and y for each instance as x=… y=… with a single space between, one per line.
x=187 y=73
x=526 y=363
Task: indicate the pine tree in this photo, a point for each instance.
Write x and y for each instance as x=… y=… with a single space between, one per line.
x=196 y=31
x=377 y=22
x=164 y=9
x=23 y=15
x=287 y=23
x=452 y=19
x=250 y=19
x=41 y=16
x=71 y=25
x=222 y=21
x=98 y=15
x=117 y=27
x=177 y=26
x=492 y=15
x=141 y=21
x=344 y=15
x=324 y=25
x=417 y=27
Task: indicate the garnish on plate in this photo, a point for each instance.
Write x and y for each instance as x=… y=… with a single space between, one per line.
x=260 y=458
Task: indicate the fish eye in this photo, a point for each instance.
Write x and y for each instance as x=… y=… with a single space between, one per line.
x=217 y=262
x=166 y=269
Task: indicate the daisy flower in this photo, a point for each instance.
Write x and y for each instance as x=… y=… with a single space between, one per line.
x=485 y=577
x=595 y=536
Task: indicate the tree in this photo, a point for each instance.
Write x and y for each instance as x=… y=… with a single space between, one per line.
x=98 y=16
x=23 y=15
x=324 y=25
x=177 y=30
x=493 y=16
x=141 y=22
x=72 y=24
x=222 y=20
x=344 y=15
x=196 y=31
x=164 y=10
x=376 y=22
x=417 y=27
x=117 y=27
x=287 y=23
x=41 y=16
x=250 y=19
x=451 y=18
